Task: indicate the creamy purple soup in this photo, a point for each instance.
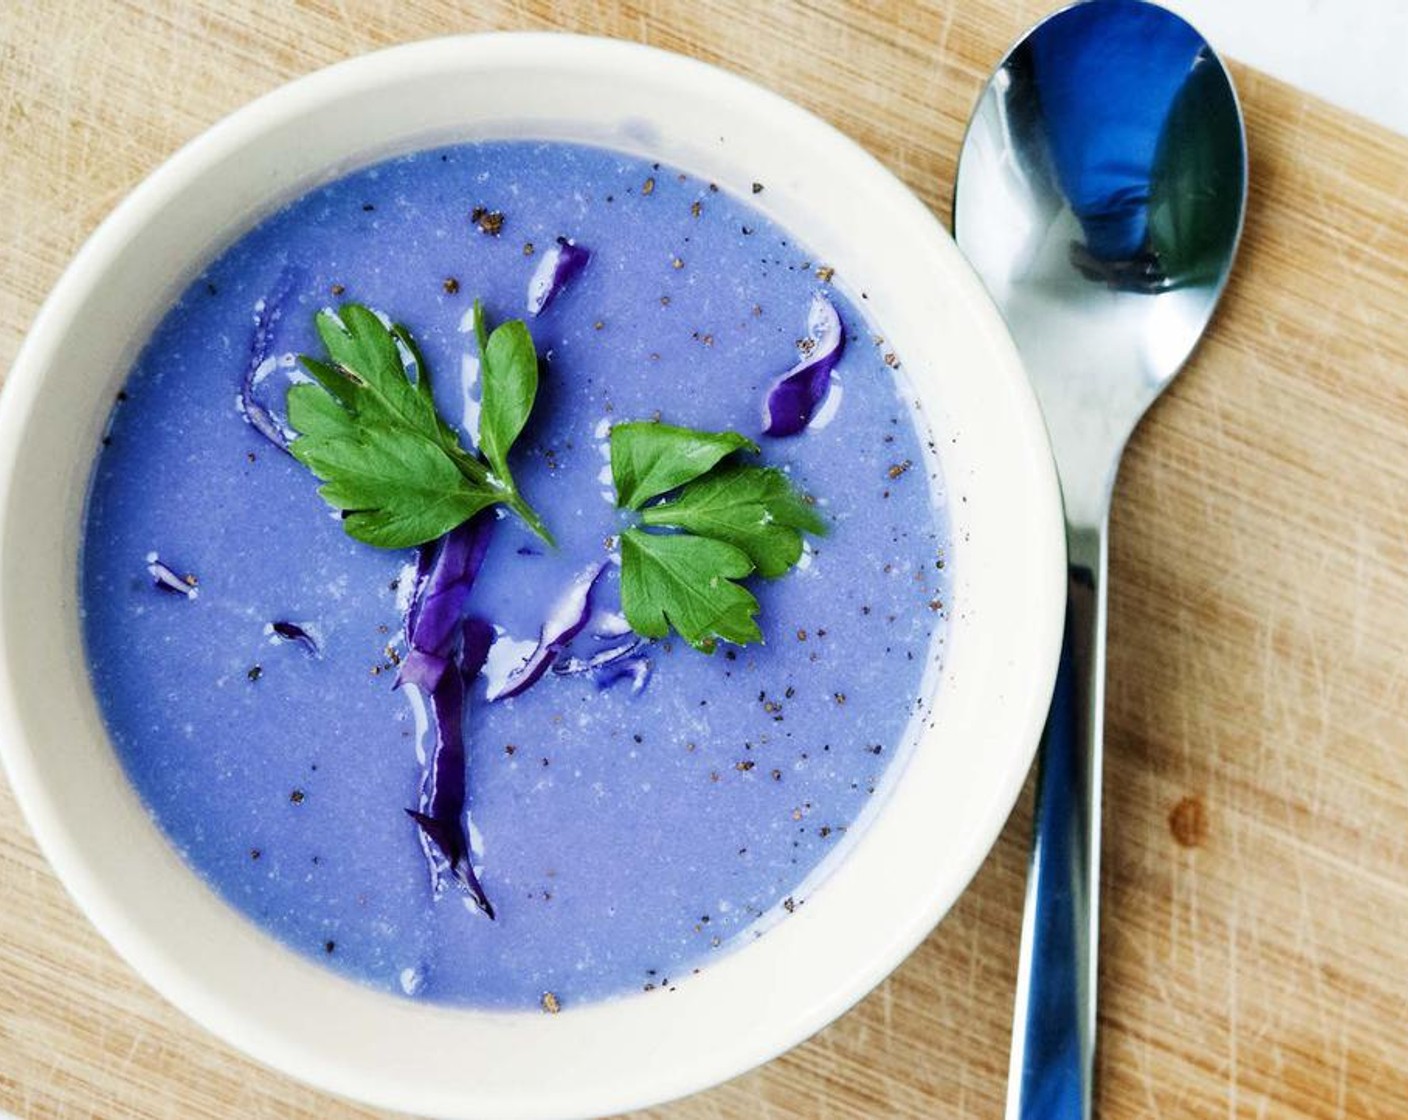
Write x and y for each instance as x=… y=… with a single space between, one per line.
x=627 y=830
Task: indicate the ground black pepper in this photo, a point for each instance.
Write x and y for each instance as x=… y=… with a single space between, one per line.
x=489 y=221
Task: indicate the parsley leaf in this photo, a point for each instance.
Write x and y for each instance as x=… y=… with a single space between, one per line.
x=689 y=583
x=368 y=377
x=734 y=520
x=372 y=434
x=508 y=372
x=648 y=459
x=753 y=508
x=398 y=489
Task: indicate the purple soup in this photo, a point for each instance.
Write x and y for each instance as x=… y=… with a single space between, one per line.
x=628 y=828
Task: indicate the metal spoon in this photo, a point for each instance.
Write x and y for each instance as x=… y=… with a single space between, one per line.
x=1100 y=195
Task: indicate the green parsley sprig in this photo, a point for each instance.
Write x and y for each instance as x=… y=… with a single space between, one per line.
x=372 y=434
x=732 y=520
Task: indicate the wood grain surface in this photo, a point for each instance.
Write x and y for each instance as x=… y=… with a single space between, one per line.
x=1255 y=948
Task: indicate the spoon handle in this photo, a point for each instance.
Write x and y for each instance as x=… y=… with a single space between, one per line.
x=1053 y=1031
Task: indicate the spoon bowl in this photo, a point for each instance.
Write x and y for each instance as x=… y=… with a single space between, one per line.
x=1100 y=194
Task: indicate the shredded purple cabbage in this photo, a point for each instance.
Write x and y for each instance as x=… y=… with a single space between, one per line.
x=261 y=419
x=167 y=580
x=476 y=636
x=609 y=666
x=600 y=659
x=422 y=669
x=555 y=269
x=569 y=617
x=292 y=632
x=437 y=637
x=267 y=314
x=445 y=573
x=794 y=396
x=636 y=669
x=441 y=815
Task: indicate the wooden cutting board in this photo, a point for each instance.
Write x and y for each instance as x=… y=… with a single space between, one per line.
x=1255 y=946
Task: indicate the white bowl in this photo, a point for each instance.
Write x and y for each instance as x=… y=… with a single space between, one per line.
x=902 y=872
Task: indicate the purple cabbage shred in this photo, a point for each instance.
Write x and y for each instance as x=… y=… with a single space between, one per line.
x=267 y=314
x=569 y=617
x=167 y=580
x=794 y=396
x=445 y=573
x=441 y=814
x=609 y=666
x=635 y=669
x=292 y=632
x=555 y=270
x=476 y=636
x=438 y=636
